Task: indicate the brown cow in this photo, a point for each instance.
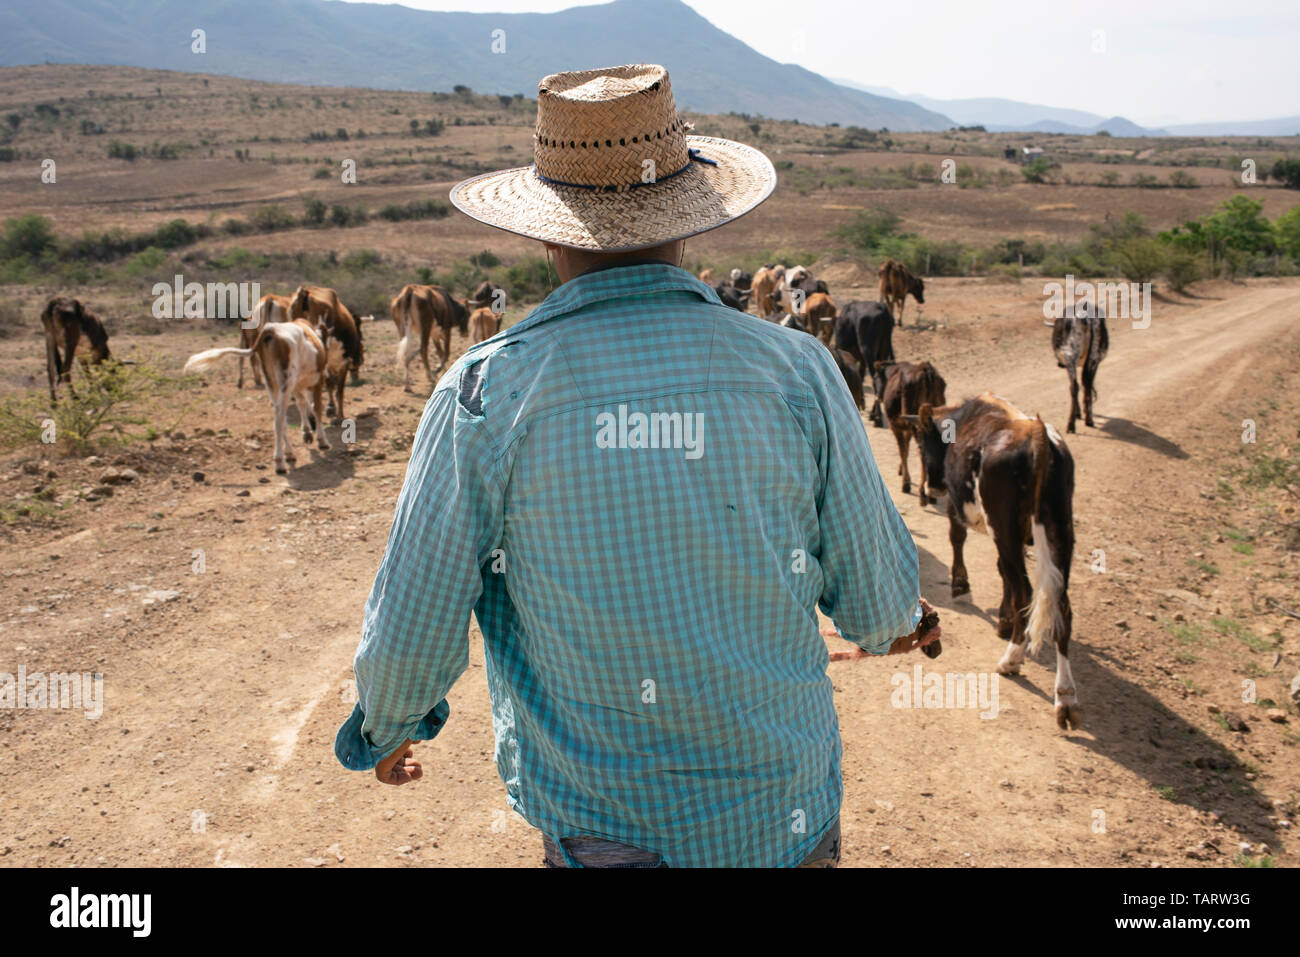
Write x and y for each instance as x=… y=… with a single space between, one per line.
x=341 y=334
x=483 y=323
x=764 y=285
x=820 y=313
x=896 y=284
x=852 y=375
x=422 y=308
x=1013 y=477
x=706 y=275
x=292 y=357
x=903 y=388
x=270 y=308
x=65 y=319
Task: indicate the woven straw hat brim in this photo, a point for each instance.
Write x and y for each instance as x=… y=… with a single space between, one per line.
x=700 y=198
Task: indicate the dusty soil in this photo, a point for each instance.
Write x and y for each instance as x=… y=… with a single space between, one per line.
x=224 y=686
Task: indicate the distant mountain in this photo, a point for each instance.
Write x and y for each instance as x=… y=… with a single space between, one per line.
x=989 y=112
x=1115 y=126
x=393 y=47
x=1285 y=126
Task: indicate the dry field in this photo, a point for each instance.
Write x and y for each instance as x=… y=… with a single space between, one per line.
x=224 y=687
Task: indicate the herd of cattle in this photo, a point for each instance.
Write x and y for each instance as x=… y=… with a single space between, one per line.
x=1003 y=472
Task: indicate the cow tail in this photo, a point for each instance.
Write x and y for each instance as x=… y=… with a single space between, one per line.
x=1046 y=610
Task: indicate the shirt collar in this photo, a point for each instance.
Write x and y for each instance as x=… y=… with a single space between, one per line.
x=615 y=282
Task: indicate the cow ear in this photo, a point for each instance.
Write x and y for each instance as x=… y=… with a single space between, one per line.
x=912 y=420
x=926 y=416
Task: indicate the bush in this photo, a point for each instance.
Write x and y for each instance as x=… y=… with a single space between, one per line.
x=314 y=212
x=1036 y=172
x=178 y=232
x=106 y=408
x=869 y=229
x=341 y=215
x=426 y=209
x=28 y=235
x=1182 y=268
x=119 y=150
x=1138 y=259
x=1286 y=232
x=1287 y=172
x=270 y=218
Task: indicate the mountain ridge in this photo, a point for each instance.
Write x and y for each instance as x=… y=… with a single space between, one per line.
x=387 y=46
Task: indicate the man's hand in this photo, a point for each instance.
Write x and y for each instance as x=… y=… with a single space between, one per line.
x=900 y=646
x=400 y=766
x=917 y=640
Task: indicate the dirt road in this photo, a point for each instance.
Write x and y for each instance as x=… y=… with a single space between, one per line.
x=223 y=614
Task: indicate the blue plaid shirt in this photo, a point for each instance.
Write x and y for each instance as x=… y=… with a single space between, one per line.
x=644 y=496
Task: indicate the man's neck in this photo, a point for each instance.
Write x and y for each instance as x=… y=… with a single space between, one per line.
x=625 y=261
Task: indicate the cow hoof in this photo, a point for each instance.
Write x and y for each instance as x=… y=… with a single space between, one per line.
x=907 y=488
x=280 y=469
x=1070 y=428
x=1008 y=668
x=1068 y=717
x=960 y=588
x=324 y=445
x=1090 y=424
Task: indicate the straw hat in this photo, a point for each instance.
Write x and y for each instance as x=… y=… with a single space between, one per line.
x=614 y=169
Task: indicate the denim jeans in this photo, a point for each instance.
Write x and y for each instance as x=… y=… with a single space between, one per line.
x=597 y=852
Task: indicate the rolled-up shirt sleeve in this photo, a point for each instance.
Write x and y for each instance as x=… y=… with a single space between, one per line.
x=868 y=559
x=415 y=630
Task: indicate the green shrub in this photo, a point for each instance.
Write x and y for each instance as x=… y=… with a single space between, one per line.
x=1139 y=259
x=1182 y=267
x=29 y=235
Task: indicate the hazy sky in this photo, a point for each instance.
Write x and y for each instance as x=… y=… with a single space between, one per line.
x=1163 y=61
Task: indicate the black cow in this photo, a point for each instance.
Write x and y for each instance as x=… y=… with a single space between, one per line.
x=731 y=296
x=865 y=330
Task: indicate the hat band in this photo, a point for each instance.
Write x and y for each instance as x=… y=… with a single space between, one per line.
x=692 y=155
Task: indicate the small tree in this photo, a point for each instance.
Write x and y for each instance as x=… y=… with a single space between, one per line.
x=1139 y=259
x=27 y=235
x=1182 y=268
x=1036 y=172
x=1287 y=172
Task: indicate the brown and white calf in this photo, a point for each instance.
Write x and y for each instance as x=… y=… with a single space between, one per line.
x=292 y=358
x=270 y=308
x=64 y=321
x=1013 y=477
x=1080 y=342
x=903 y=388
